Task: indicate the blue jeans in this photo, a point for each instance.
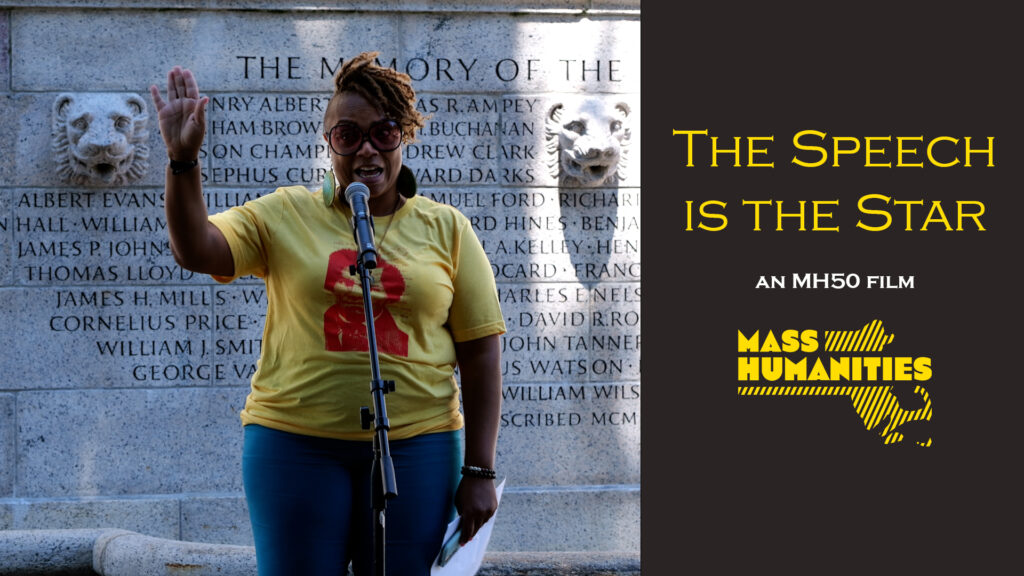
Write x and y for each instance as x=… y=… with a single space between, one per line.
x=310 y=507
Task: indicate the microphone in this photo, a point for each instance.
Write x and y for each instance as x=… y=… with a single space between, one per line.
x=357 y=195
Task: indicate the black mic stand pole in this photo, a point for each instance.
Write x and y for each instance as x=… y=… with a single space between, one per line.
x=382 y=475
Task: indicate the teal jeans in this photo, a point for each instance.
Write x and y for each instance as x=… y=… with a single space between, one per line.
x=310 y=507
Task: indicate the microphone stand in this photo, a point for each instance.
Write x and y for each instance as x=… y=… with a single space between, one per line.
x=382 y=475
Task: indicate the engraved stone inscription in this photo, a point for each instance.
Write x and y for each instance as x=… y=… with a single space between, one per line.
x=265 y=140
x=113 y=236
x=549 y=235
x=570 y=333
x=115 y=351
x=121 y=337
x=5 y=237
x=587 y=419
x=138 y=336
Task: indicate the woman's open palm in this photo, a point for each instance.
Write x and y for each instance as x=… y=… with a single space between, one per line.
x=182 y=116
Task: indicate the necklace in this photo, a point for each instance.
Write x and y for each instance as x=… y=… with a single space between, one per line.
x=394 y=210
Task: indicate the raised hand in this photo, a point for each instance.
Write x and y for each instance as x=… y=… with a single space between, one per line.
x=182 y=116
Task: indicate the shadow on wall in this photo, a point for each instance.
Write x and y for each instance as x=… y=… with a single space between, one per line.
x=587 y=141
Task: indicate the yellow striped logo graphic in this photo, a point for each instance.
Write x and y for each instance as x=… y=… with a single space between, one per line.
x=877 y=406
x=870 y=338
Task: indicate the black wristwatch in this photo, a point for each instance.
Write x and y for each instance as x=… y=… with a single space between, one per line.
x=182 y=167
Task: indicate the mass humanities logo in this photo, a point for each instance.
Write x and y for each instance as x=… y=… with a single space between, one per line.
x=888 y=392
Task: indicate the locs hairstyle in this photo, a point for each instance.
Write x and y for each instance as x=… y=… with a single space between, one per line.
x=389 y=90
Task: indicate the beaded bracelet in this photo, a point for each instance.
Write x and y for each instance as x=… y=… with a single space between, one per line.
x=478 y=472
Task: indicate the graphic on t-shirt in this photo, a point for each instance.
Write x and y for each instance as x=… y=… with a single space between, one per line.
x=345 y=321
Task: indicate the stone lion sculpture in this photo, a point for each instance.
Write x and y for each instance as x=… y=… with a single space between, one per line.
x=100 y=139
x=587 y=142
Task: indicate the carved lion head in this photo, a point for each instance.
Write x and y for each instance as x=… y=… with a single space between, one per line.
x=100 y=139
x=587 y=142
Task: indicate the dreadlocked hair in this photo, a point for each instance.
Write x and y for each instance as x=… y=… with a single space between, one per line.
x=386 y=88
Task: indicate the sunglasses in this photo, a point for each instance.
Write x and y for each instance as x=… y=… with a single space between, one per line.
x=346 y=138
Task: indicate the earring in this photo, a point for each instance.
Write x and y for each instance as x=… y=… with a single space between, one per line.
x=406 y=182
x=328 y=188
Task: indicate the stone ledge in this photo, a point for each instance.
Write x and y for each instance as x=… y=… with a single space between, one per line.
x=123 y=553
x=548 y=6
x=560 y=564
x=111 y=552
x=39 y=552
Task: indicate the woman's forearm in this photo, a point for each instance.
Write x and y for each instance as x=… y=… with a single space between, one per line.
x=480 y=368
x=197 y=244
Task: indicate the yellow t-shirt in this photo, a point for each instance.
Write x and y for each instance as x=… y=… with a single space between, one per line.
x=433 y=286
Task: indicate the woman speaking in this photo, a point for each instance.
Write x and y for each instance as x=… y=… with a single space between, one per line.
x=306 y=459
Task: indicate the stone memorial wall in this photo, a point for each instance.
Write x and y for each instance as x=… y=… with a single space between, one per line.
x=122 y=375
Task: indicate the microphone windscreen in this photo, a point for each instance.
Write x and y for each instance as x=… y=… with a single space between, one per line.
x=356 y=188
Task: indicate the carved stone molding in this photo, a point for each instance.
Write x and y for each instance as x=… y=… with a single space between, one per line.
x=587 y=142
x=100 y=139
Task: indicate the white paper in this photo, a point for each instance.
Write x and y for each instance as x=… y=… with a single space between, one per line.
x=467 y=559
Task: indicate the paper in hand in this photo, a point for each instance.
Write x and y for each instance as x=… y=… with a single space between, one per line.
x=467 y=559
